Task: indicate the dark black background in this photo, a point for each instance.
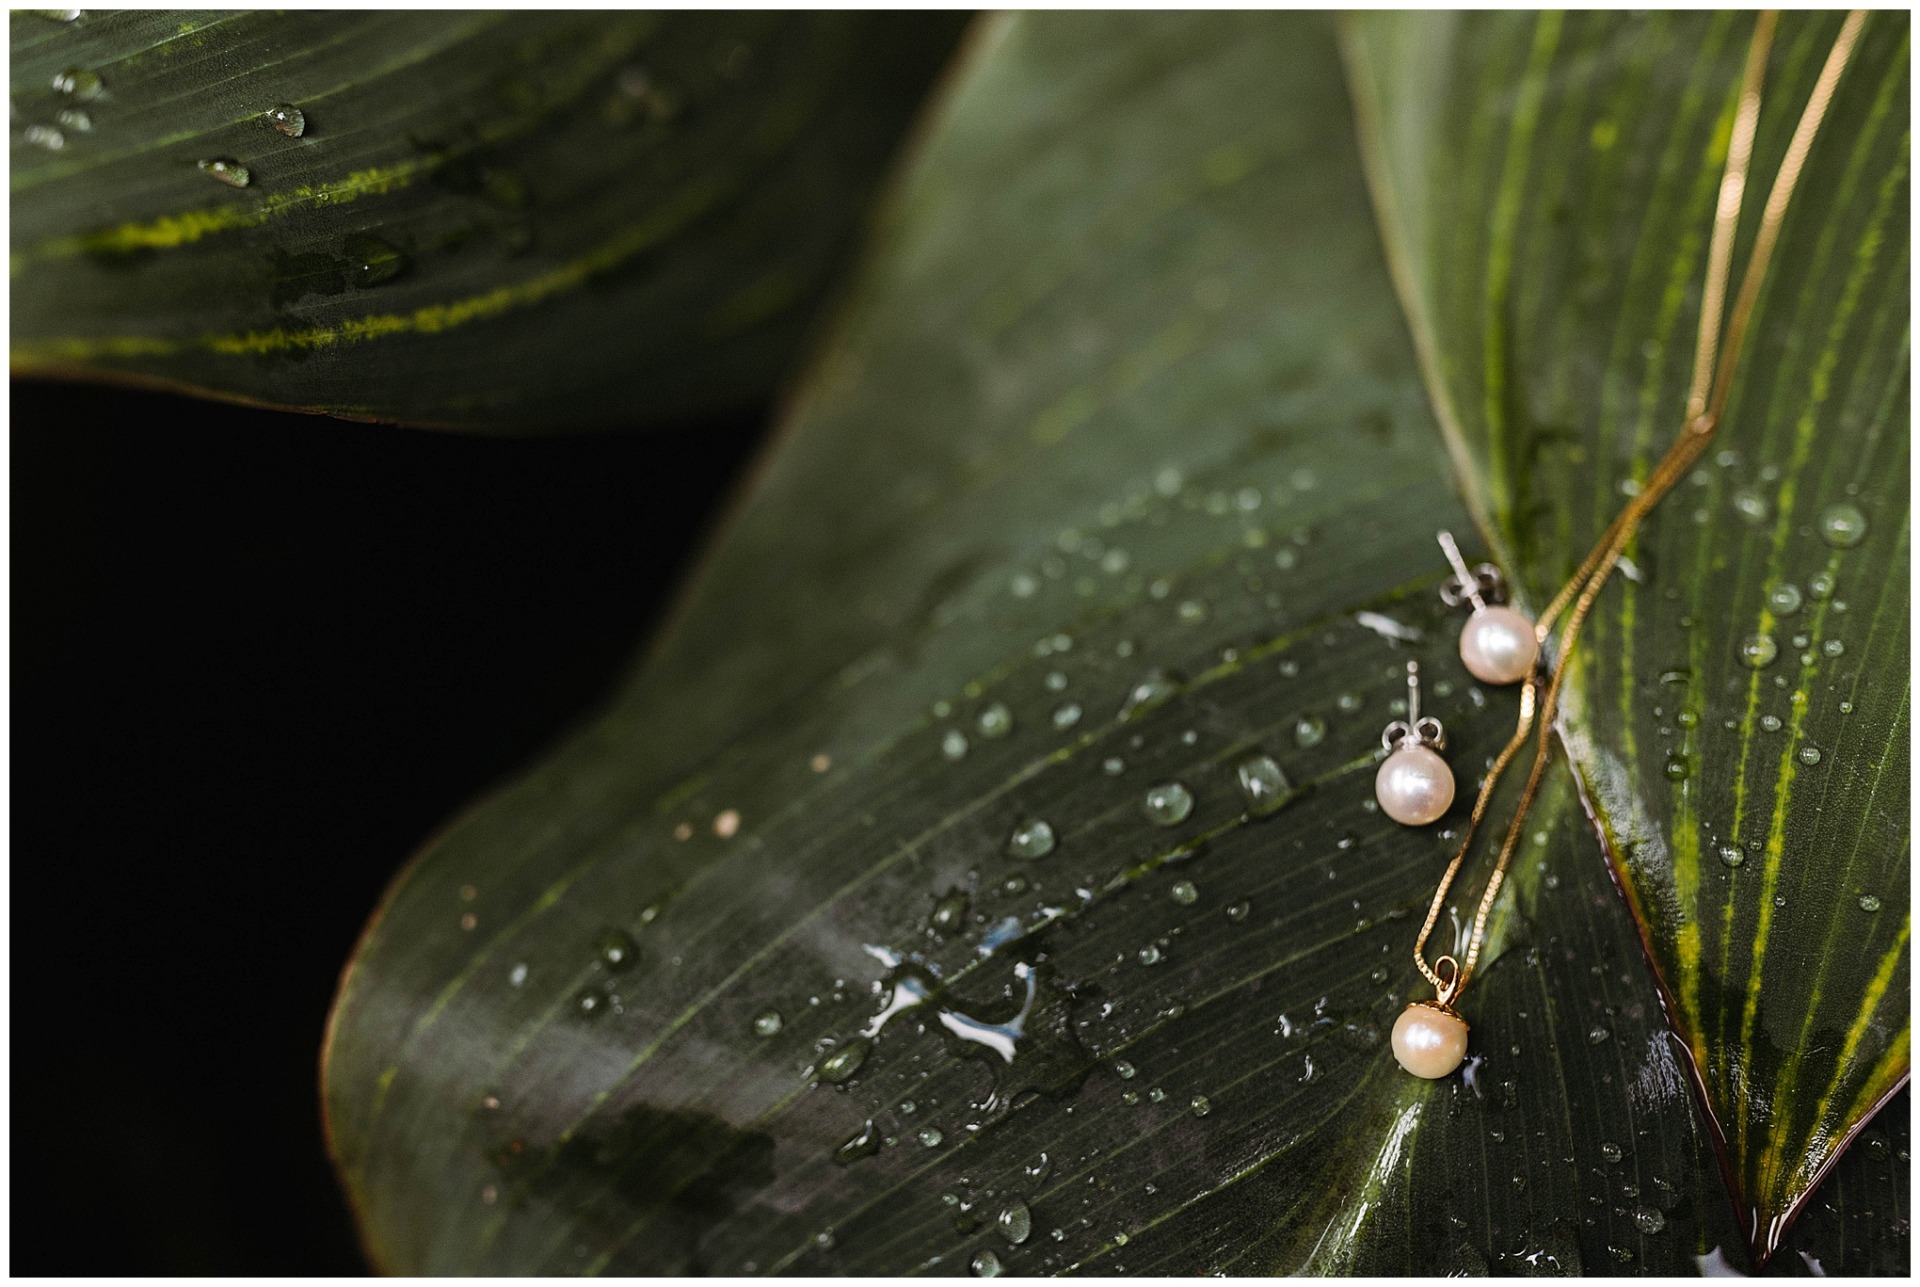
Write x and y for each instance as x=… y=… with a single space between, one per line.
x=258 y=658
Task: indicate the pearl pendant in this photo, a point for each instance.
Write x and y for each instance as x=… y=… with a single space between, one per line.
x=1414 y=785
x=1498 y=645
x=1429 y=1040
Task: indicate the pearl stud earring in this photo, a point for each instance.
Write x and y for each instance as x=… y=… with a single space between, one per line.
x=1414 y=785
x=1497 y=643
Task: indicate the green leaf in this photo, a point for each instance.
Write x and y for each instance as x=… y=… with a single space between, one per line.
x=1116 y=473
x=490 y=220
x=1740 y=712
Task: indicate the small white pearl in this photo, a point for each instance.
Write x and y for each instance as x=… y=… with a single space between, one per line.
x=1414 y=786
x=1429 y=1043
x=1498 y=645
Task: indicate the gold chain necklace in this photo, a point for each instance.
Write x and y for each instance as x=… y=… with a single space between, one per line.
x=1430 y=1038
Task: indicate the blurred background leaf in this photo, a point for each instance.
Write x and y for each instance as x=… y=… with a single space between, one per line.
x=490 y=220
x=1740 y=717
x=1117 y=475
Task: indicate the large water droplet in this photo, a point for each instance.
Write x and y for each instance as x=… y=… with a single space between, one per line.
x=1758 y=651
x=1066 y=716
x=1842 y=526
x=1032 y=839
x=986 y=1265
x=1185 y=893
x=1168 y=804
x=1732 y=855
x=768 y=1023
x=1263 y=782
x=617 y=950
x=1869 y=903
x=1309 y=731
x=845 y=1062
x=79 y=83
x=1015 y=1223
x=227 y=170
x=1809 y=755
x=1784 y=599
x=288 y=119
x=954 y=744
x=1611 y=1151
x=1648 y=1219
x=996 y=720
x=1200 y=1105
x=45 y=136
x=930 y=1136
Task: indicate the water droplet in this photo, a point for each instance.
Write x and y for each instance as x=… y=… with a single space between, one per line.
x=1833 y=647
x=954 y=744
x=1758 y=651
x=1598 y=1036
x=45 y=136
x=590 y=1003
x=617 y=950
x=1771 y=723
x=1184 y=893
x=517 y=975
x=288 y=119
x=1751 y=504
x=768 y=1023
x=844 y=1062
x=75 y=119
x=1149 y=955
x=1262 y=782
x=227 y=170
x=1309 y=731
x=1732 y=855
x=1648 y=1219
x=1168 y=804
x=1032 y=839
x=1679 y=767
x=1024 y=585
x=1113 y=766
x=985 y=1265
x=1016 y=1223
x=1842 y=526
x=1239 y=910
x=1784 y=599
x=1123 y=1069
x=1869 y=903
x=1809 y=755
x=373 y=259
x=1192 y=610
x=996 y=720
x=950 y=913
x=1152 y=688
x=864 y=1144
x=1067 y=716
x=1200 y=1105
x=79 y=83
x=930 y=1136
x=1820 y=585
x=1611 y=1151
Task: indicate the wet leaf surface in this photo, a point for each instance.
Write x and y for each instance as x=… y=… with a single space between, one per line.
x=1741 y=719
x=486 y=220
x=1117 y=475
